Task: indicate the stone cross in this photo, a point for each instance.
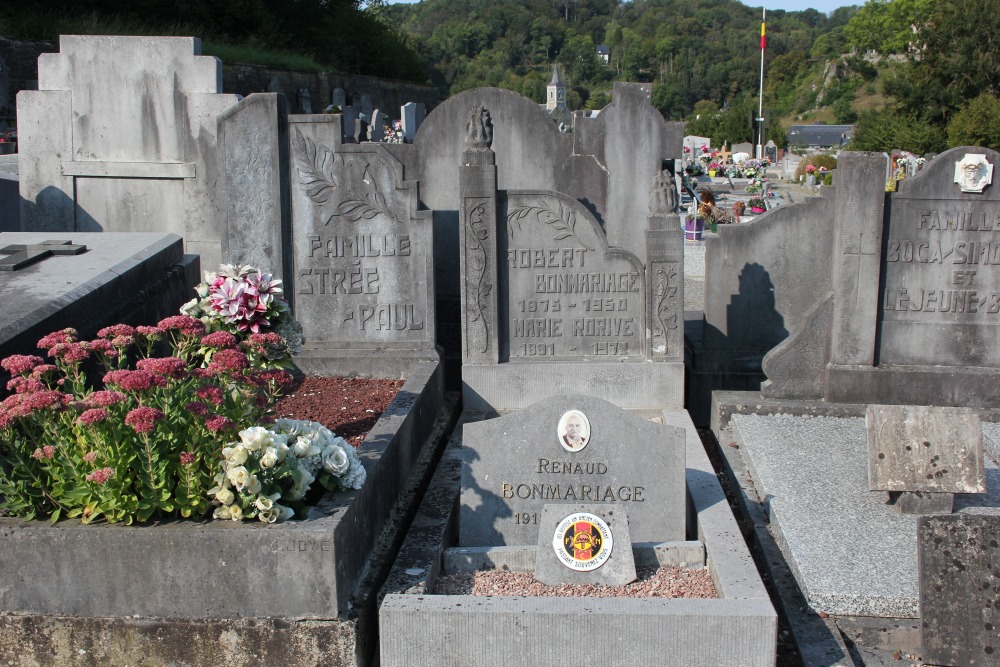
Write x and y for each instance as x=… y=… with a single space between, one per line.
x=20 y=256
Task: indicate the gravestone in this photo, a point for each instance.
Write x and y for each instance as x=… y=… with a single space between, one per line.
x=120 y=136
x=584 y=544
x=377 y=129
x=413 y=114
x=936 y=452
x=255 y=212
x=746 y=148
x=339 y=98
x=569 y=449
x=959 y=565
x=361 y=280
x=366 y=107
x=914 y=298
x=305 y=101
x=544 y=292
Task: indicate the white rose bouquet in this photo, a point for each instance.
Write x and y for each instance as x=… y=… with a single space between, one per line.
x=281 y=462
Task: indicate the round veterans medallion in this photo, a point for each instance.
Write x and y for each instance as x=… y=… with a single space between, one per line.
x=583 y=542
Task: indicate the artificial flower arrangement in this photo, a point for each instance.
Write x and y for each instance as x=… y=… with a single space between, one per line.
x=810 y=169
x=714 y=166
x=245 y=301
x=754 y=186
x=280 y=462
x=758 y=203
x=148 y=440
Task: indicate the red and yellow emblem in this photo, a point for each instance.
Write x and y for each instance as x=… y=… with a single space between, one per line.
x=582 y=541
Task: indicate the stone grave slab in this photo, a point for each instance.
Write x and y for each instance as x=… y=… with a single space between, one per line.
x=584 y=544
x=120 y=277
x=850 y=553
x=921 y=448
x=959 y=563
x=516 y=464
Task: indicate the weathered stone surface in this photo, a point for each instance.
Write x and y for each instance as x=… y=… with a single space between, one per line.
x=919 y=448
x=514 y=465
x=138 y=278
x=923 y=502
x=555 y=563
x=960 y=589
x=121 y=136
x=362 y=254
x=253 y=144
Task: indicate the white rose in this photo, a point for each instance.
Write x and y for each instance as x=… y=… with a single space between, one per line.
x=284 y=512
x=270 y=458
x=224 y=512
x=239 y=476
x=235 y=512
x=263 y=503
x=301 y=479
x=336 y=461
x=269 y=515
x=225 y=496
x=235 y=456
x=256 y=438
x=253 y=484
x=304 y=447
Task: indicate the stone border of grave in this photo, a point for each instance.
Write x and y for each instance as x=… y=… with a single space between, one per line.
x=740 y=627
x=217 y=591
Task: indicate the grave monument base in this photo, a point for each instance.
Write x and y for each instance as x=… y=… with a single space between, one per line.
x=378 y=364
x=219 y=590
x=417 y=628
x=801 y=474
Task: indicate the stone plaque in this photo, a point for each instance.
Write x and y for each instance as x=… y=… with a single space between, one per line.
x=362 y=254
x=584 y=544
x=569 y=294
x=941 y=296
x=514 y=465
x=958 y=559
x=921 y=448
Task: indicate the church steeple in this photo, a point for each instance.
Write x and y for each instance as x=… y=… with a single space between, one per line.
x=556 y=91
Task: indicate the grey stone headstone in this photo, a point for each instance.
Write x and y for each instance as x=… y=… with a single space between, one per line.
x=366 y=106
x=98 y=156
x=252 y=136
x=942 y=270
x=743 y=148
x=305 y=101
x=569 y=295
x=921 y=448
x=958 y=559
x=339 y=98
x=413 y=114
x=376 y=131
x=274 y=86
x=362 y=253
x=556 y=565
x=516 y=464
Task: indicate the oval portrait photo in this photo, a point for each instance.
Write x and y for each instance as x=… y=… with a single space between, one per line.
x=573 y=430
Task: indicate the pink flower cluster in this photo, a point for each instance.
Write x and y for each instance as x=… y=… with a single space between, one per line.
x=44 y=453
x=70 y=353
x=244 y=300
x=188 y=326
x=212 y=395
x=227 y=362
x=187 y=458
x=220 y=340
x=92 y=416
x=171 y=367
x=104 y=398
x=219 y=423
x=139 y=380
x=101 y=476
x=143 y=420
x=64 y=336
x=116 y=330
x=16 y=364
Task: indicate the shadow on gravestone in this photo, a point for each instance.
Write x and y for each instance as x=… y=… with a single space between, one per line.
x=751 y=316
x=52 y=204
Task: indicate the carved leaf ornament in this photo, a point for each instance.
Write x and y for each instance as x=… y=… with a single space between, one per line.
x=561 y=219
x=317 y=166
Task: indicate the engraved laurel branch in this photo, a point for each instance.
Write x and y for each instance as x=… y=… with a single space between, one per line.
x=561 y=219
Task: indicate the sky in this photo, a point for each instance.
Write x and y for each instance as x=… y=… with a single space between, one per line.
x=825 y=6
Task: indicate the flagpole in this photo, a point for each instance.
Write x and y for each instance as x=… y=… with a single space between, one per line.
x=760 y=107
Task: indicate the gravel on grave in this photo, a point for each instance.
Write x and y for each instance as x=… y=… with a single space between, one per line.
x=347 y=406
x=663 y=582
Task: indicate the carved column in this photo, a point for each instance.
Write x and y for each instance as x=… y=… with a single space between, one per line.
x=478 y=239
x=664 y=272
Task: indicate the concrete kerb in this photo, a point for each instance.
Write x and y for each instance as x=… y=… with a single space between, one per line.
x=738 y=628
x=219 y=574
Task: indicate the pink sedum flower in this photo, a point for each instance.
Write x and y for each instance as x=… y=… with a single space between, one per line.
x=101 y=476
x=17 y=364
x=219 y=423
x=92 y=416
x=44 y=453
x=143 y=420
x=188 y=326
x=116 y=330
